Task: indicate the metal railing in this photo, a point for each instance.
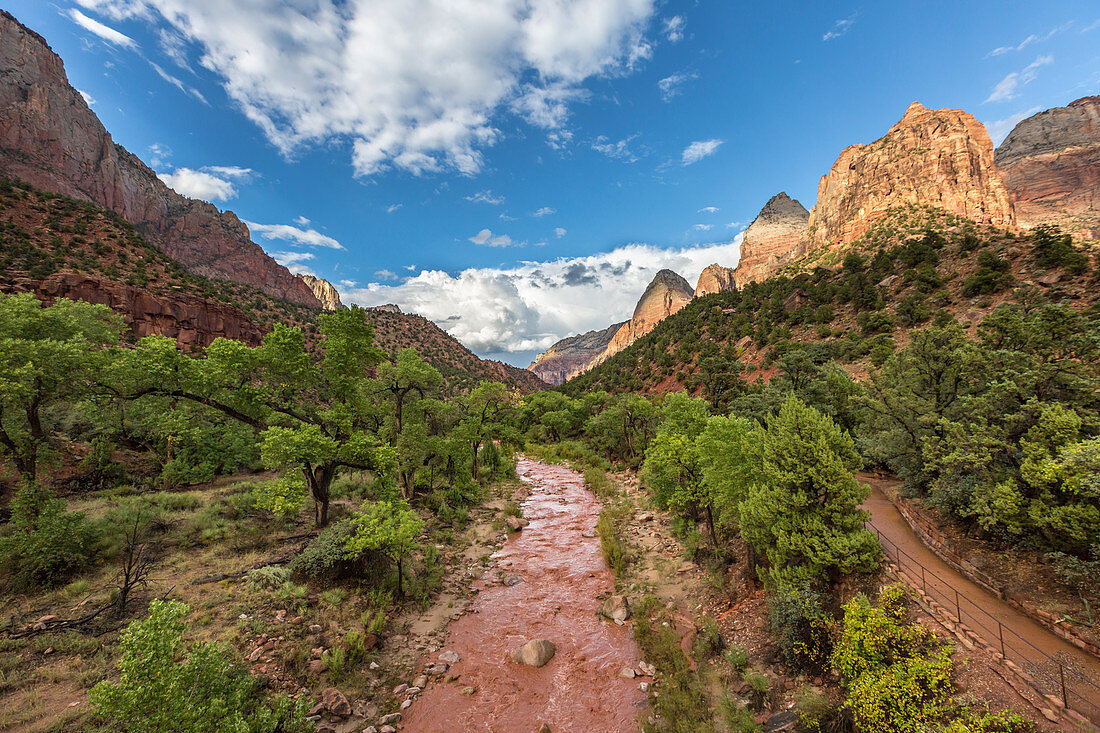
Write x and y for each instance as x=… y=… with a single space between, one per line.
x=1057 y=678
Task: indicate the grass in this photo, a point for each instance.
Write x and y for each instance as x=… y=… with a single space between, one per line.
x=611 y=541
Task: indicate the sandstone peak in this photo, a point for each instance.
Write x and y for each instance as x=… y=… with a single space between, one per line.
x=914 y=108
x=1051 y=165
x=715 y=279
x=941 y=158
x=572 y=355
x=776 y=237
x=666 y=285
x=51 y=140
x=324 y=291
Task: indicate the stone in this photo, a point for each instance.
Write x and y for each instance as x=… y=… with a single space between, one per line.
x=940 y=158
x=1051 y=166
x=786 y=721
x=449 y=657
x=335 y=702
x=374 y=665
x=256 y=654
x=515 y=524
x=317 y=667
x=544 y=728
x=534 y=653
x=400 y=689
x=420 y=681
x=616 y=608
x=715 y=279
x=315 y=628
x=511 y=579
x=390 y=719
x=406 y=703
x=467 y=691
x=387 y=729
x=627 y=672
x=776 y=237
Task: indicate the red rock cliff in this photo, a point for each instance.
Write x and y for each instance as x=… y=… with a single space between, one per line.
x=776 y=237
x=941 y=158
x=715 y=279
x=52 y=140
x=666 y=294
x=1051 y=166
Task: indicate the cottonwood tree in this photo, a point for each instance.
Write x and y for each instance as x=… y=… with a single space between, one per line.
x=48 y=356
x=488 y=414
x=312 y=414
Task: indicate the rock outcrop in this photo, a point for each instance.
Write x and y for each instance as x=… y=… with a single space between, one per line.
x=715 y=279
x=776 y=237
x=941 y=158
x=570 y=356
x=1051 y=165
x=667 y=293
x=324 y=292
x=52 y=140
x=192 y=321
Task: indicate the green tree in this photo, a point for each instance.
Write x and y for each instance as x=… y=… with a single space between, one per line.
x=488 y=415
x=48 y=356
x=729 y=457
x=803 y=513
x=390 y=528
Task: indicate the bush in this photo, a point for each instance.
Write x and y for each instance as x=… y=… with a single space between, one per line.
x=1054 y=249
x=801 y=628
x=324 y=558
x=47 y=544
x=165 y=686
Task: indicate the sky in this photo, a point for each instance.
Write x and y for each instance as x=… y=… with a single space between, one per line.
x=518 y=170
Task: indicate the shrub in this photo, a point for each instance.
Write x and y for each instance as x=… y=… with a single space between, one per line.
x=1054 y=249
x=47 y=544
x=801 y=628
x=165 y=686
x=324 y=558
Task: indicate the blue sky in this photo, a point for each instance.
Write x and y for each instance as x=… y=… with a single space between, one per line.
x=517 y=170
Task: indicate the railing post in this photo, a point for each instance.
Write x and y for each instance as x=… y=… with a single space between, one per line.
x=1001 y=633
x=958 y=609
x=1062 y=674
x=923 y=583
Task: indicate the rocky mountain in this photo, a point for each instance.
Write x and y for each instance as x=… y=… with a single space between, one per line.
x=715 y=279
x=324 y=291
x=571 y=355
x=776 y=237
x=936 y=158
x=1051 y=165
x=666 y=294
x=52 y=140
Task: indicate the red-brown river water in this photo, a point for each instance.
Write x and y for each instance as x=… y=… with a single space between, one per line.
x=563 y=574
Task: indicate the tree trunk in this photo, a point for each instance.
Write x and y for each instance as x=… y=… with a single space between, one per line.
x=400 y=588
x=477 y=446
x=320 y=485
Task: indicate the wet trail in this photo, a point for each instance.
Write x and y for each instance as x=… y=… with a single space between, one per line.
x=563 y=572
x=1027 y=643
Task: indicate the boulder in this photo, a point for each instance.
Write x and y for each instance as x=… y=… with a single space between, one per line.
x=335 y=702
x=616 y=608
x=534 y=653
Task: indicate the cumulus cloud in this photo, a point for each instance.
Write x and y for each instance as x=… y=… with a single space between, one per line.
x=393 y=80
x=840 y=27
x=698 y=150
x=295 y=235
x=999 y=129
x=559 y=232
x=485 y=197
x=301 y=221
x=619 y=150
x=105 y=32
x=529 y=306
x=380 y=274
x=159 y=154
x=1007 y=88
x=88 y=98
x=486 y=238
x=544 y=211
x=674 y=28
x=293 y=262
x=672 y=85
x=209 y=183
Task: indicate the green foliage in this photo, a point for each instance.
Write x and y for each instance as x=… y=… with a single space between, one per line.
x=727 y=453
x=387 y=528
x=284 y=496
x=898 y=678
x=611 y=542
x=325 y=557
x=801 y=628
x=1054 y=249
x=46 y=545
x=803 y=514
x=166 y=686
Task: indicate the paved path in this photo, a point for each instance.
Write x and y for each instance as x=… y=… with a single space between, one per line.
x=1027 y=642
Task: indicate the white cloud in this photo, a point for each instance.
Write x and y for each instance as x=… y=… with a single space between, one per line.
x=381 y=275
x=674 y=28
x=393 y=207
x=698 y=150
x=708 y=210
x=486 y=239
x=209 y=183
x=296 y=235
x=486 y=197
x=544 y=211
x=352 y=283
x=618 y=150
x=88 y=98
x=159 y=155
x=293 y=262
x=533 y=304
x=1091 y=26
x=999 y=129
x=105 y=32
x=559 y=232
x=178 y=84
x=503 y=216
x=840 y=27
x=735 y=224
x=1007 y=87
x=672 y=85
x=1031 y=39
x=301 y=221
x=418 y=85
x=702 y=227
